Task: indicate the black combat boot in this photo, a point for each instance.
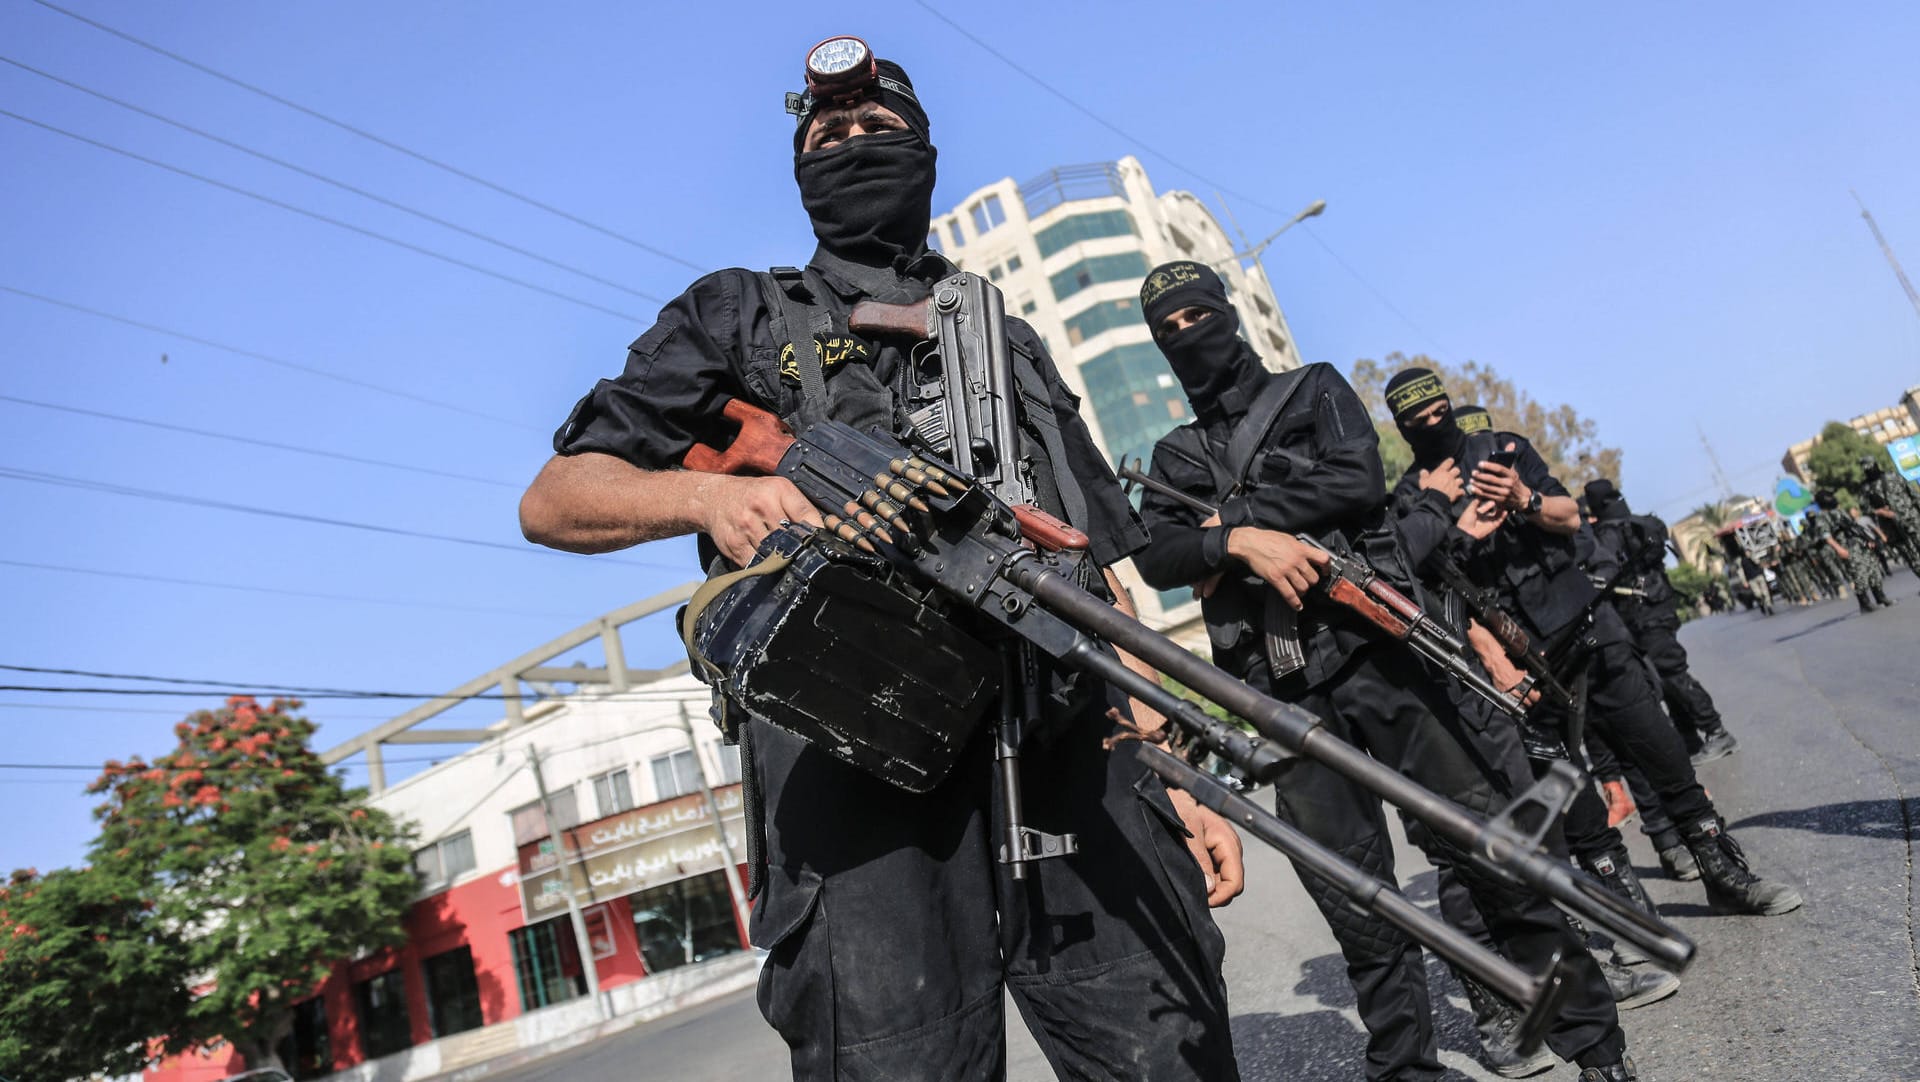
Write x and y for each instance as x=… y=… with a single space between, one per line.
x=1880 y=595
x=1637 y=987
x=1498 y=1026
x=1615 y=872
x=1612 y=1072
x=1674 y=857
x=1717 y=743
x=1731 y=886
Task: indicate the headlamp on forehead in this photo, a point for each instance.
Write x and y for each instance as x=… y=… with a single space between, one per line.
x=840 y=70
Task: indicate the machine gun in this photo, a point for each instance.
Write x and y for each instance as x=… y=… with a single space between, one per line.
x=1355 y=586
x=950 y=537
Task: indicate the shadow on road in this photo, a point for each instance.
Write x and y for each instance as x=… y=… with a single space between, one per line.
x=1810 y=630
x=1882 y=819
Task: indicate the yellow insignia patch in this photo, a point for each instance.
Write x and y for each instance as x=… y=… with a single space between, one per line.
x=1414 y=393
x=833 y=351
x=1474 y=422
x=1167 y=277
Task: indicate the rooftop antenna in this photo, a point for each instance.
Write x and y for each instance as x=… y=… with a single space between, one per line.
x=1719 y=475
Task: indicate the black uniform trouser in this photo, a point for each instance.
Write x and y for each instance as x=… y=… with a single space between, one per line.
x=891 y=929
x=1387 y=703
x=1623 y=709
x=1688 y=703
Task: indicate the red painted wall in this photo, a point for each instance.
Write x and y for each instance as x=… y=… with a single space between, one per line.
x=478 y=913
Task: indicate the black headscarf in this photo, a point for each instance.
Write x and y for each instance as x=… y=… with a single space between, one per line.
x=1606 y=501
x=871 y=198
x=1410 y=391
x=1218 y=369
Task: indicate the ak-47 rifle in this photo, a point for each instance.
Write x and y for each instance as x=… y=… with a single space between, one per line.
x=952 y=537
x=1355 y=586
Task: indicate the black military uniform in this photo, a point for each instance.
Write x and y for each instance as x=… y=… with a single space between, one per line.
x=1538 y=576
x=1639 y=542
x=1317 y=471
x=891 y=928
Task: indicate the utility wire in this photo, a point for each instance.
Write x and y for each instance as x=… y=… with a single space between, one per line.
x=164 y=712
x=369 y=136
x=266 y=358
x=340 y=184
x=314 y=451
x=316 y=216
x=216 y=687
x=172 y=581
x=37 y=477
x=1143 y=145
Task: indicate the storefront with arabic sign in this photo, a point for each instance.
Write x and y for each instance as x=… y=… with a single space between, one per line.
x=659 y=870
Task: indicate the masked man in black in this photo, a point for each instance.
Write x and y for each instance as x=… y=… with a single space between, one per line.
x=1514 y=533
x=1295 y=453
x=893 y=933
x=1639 y=543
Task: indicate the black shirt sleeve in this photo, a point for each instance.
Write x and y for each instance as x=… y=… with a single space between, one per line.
x=1180 y=551
x=678 y=376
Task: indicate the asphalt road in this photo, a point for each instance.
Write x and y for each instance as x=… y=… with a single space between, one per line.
x=1826 y=705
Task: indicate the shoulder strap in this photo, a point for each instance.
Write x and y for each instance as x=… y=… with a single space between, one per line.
x=1073 y=502
x=1267 y=407
x=790 y=313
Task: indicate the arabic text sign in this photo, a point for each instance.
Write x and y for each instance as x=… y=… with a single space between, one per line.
x=633 y=850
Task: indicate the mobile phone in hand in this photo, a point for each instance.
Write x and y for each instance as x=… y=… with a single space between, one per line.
x=1504 y=458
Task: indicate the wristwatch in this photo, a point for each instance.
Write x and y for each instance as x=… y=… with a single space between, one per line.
x=1533 y=502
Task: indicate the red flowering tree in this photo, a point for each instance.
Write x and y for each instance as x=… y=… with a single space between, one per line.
x=86 y=976
x=267 y=867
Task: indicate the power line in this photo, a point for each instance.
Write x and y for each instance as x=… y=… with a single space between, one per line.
x=340 y=184
x=172 y=581
x=77 y=708
x=83 y=484
x=222 y=687
x=266 y=358
x=316 y=216
x=369 y=136
x=316 y=452
x=1144 y=145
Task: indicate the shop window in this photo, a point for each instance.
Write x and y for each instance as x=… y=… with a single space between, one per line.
x=441 y=863
x=304 y=1051
x=384 y=1028
x=453 y=993
x=685 y=922
x=675 y=775
x=530 y=821
x=613 y=792
x=547 y=964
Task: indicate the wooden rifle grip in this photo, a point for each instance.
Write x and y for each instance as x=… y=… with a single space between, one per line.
x=1046 y=531
x=757 y=448
x=1343 y=591
x=910 y=320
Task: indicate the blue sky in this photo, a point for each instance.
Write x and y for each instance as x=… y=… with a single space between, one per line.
x=1639 y=209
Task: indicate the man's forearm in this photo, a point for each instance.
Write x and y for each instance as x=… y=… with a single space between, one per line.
x=1558 y=514
x=598 y=503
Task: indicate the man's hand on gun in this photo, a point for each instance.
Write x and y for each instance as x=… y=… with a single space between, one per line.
x=1500 y=669
x=744 y=510
x=1283 y=561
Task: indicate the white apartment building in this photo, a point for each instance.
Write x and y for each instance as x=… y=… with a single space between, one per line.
x=1069 y=249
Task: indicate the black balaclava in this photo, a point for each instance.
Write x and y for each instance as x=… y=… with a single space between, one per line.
x=1826 y=500
x=871 y=198
x=1409 y=392
x=1218 y=369
x=1605 y=501
x=1870 y=467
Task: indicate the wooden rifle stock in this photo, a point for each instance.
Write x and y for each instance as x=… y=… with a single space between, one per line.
x=758 y=446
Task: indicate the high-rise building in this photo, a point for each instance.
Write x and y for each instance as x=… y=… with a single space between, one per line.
x=1069 y=249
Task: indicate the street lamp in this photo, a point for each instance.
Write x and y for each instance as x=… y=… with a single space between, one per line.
x=1314 y=210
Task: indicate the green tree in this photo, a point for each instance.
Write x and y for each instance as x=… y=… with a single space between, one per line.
x=1395 y=455
x=267 y=865
x=87 y=977
x=1569 y=443
x=1835 y=460
x=1690 y=585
